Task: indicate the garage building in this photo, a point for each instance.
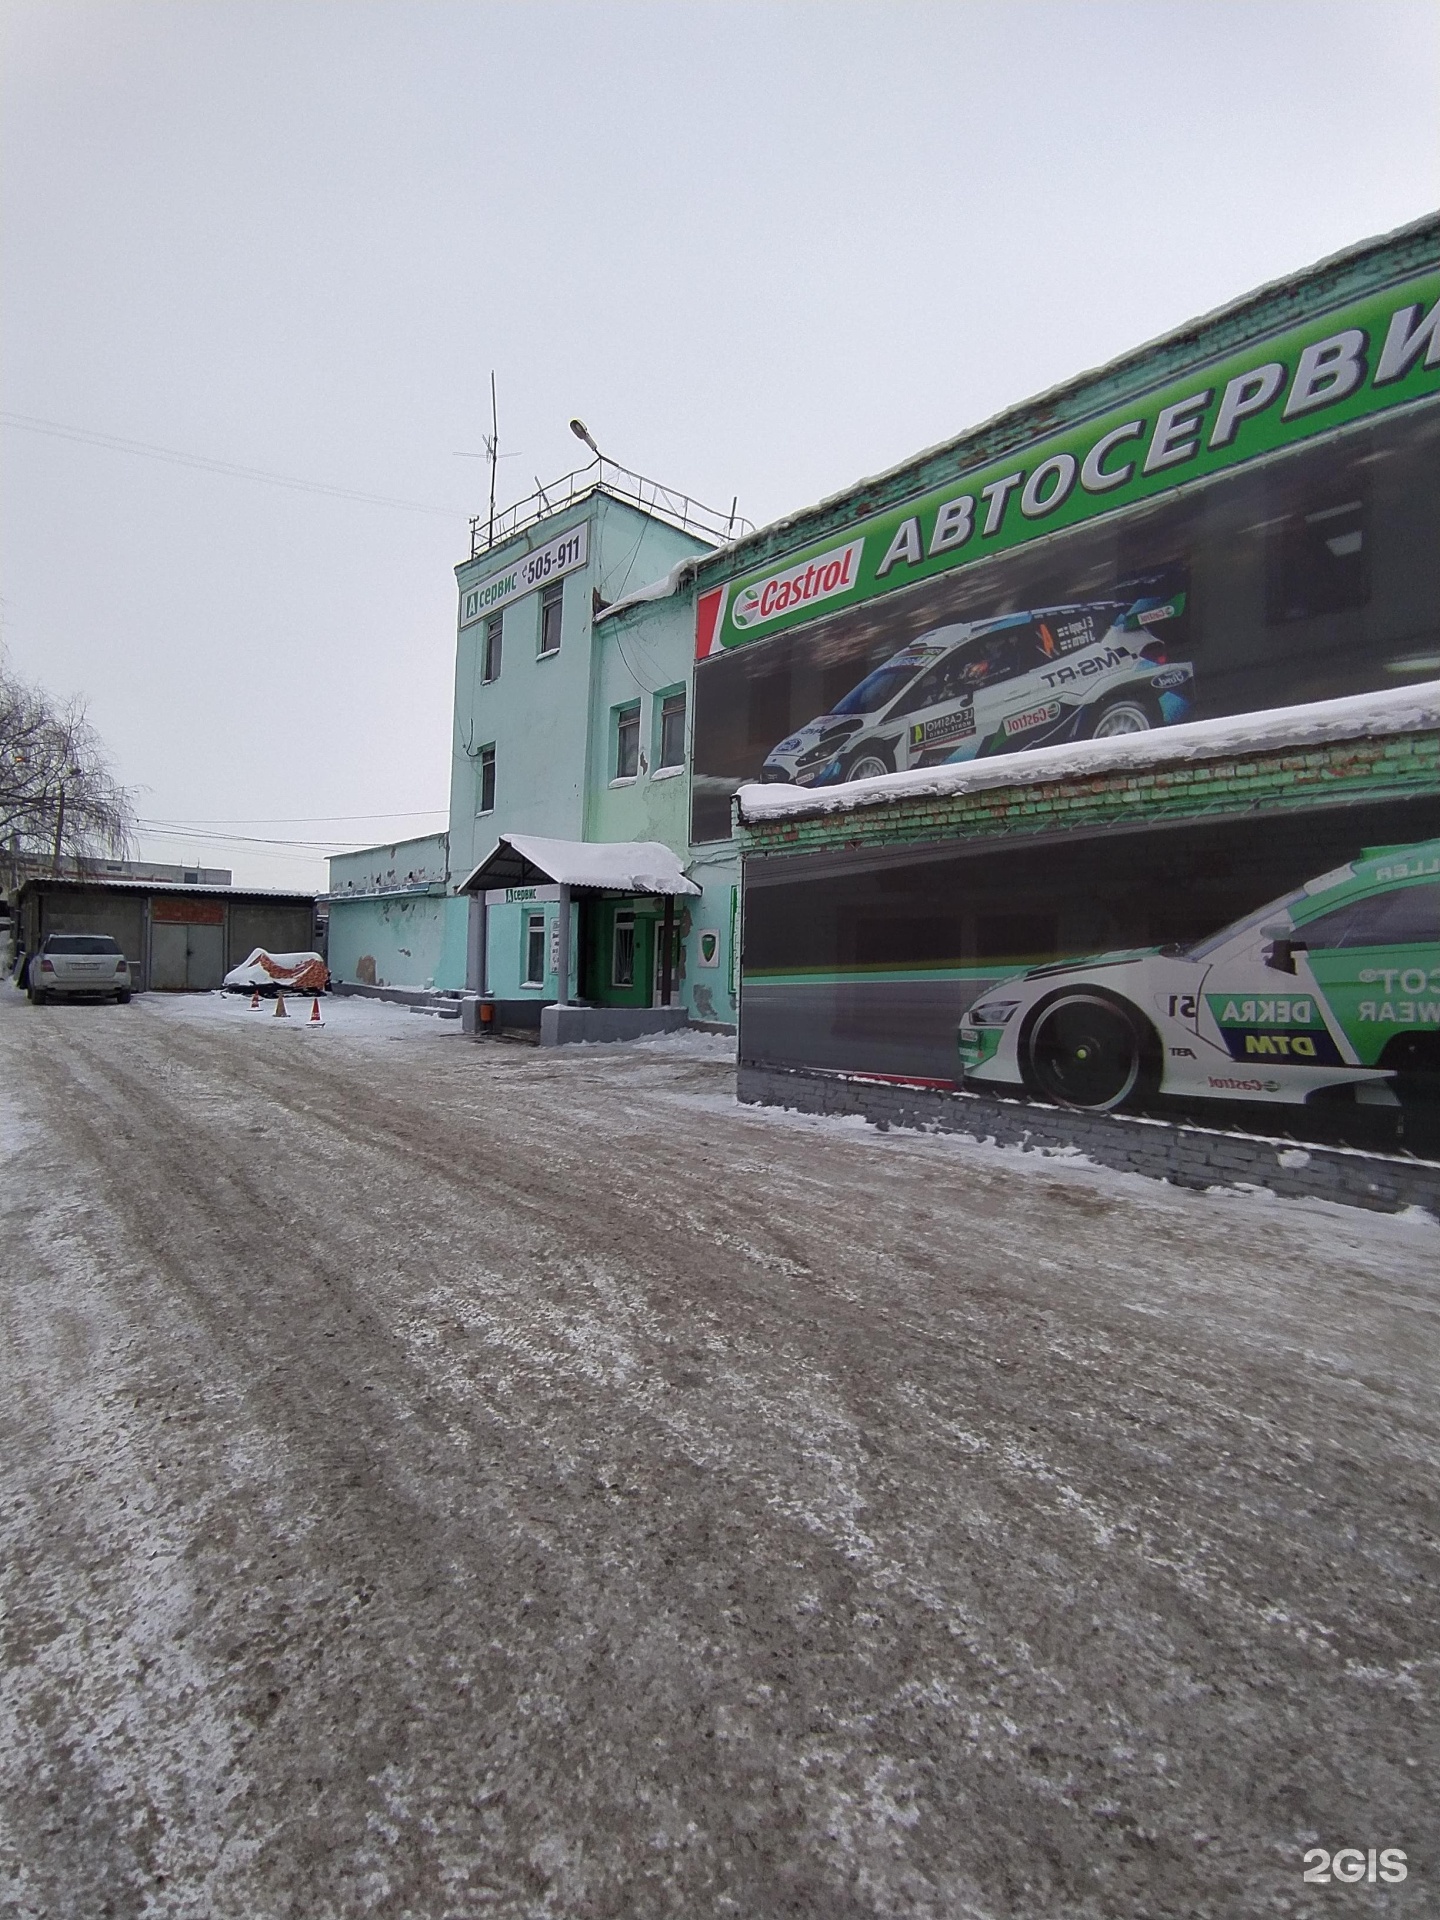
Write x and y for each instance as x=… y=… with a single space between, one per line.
x=177 y=939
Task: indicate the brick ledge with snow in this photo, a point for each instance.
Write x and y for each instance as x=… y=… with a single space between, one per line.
x=1361 y=716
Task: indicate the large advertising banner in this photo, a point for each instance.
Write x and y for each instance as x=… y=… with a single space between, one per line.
x=1017 y=606
x=1283 y=970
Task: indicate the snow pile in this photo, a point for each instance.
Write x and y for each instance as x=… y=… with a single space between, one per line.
x=304 y=972
x=1360 y=716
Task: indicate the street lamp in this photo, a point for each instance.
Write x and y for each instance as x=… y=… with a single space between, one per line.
x=582 y=432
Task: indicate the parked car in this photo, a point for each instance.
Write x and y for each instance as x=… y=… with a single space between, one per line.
x=1332 y=990
x=69 y=965
x=995 y=686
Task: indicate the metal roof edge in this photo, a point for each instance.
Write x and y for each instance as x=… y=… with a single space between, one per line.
x=178 y=888
x=431 y=889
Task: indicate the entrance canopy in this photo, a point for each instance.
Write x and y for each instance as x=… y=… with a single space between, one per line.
x=584 y=866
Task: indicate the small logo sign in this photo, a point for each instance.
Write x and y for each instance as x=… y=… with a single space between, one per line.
x=709 y=947
x=1032 y=717
x=823 y=578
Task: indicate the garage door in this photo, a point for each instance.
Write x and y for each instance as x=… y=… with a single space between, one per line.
x=187 y=945
x=186 y=956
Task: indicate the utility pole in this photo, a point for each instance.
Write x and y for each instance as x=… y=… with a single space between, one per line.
x=59 y=828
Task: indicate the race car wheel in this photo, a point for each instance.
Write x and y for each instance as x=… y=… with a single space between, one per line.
x=869 y=766
x=1125 y=715
x=1086 y=1050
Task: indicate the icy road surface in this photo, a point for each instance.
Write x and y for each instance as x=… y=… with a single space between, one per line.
x=455 y=1480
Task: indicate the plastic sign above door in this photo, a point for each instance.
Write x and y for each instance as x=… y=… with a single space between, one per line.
x=551 y=562
x=1346 y=365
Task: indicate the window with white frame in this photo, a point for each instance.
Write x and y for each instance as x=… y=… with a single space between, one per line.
x=552 y=603
x=494 y=629
x=627 y=741
x=622 y=961
x=671 y=730
x=534 y=950
x=485 y=797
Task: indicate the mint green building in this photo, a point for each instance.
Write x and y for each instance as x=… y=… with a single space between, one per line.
x=571 y=726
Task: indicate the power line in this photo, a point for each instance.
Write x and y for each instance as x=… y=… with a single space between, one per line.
x=149 y=830
x=307 y=819
x=30 y=423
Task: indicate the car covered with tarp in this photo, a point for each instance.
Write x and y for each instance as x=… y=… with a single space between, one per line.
x=270 y=973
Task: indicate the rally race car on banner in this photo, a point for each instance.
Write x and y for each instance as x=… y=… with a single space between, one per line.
x=994 y=686
x=1333 y=989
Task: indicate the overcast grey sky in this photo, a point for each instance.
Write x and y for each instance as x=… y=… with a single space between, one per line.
x=761 y=249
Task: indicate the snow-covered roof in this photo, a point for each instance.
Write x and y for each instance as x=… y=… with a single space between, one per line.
x=1357 y=717
x=617 y=866
x=661 y=589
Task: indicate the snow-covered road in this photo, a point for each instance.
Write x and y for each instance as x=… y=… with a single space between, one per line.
x=455 y=1480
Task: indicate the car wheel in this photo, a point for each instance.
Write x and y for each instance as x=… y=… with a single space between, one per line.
x=1087 y=1050
x=870 y=765
x=38 y=996
x=1125 y=715
x=122 y=997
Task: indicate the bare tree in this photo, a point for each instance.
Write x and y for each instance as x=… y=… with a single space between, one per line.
x=57 y=792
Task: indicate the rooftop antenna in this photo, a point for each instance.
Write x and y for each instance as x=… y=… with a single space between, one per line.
x=492 y=453
x=492 y=447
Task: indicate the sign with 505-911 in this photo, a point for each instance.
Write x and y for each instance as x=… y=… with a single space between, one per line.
x=556 y=558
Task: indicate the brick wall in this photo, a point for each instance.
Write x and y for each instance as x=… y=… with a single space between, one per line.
x=1284 y=777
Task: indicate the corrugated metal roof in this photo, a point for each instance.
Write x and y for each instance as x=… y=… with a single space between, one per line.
x=72 y=883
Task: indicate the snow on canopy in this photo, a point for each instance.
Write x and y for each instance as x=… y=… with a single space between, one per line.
x=619 y=866
x=1361 y=716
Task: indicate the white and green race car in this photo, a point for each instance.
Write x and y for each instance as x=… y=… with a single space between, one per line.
x=1335 y=987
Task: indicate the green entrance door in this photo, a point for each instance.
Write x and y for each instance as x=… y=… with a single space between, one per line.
x=619 y=953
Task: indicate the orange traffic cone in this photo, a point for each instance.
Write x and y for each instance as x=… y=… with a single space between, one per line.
x=315 y=1019
x=280 y=1013
x=255 y=1001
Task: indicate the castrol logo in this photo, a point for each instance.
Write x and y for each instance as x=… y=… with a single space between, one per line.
x=823 y=578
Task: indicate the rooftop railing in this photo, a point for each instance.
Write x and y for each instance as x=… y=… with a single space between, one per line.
x=677 y=509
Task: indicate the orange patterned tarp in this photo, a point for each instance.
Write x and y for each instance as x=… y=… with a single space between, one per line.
x=302 y=972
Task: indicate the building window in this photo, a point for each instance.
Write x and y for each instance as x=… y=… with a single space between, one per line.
x=627 y=741
x=487 y=781
x=493 y=630
x=550 y=608
x=534 y=950
x=622 y=966
x=672 y=731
